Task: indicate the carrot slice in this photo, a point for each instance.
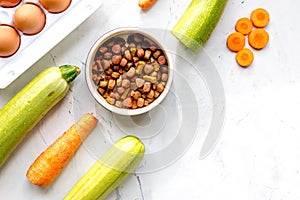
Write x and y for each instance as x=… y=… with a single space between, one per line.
x=51 y=162
x=260 y=17
x=258 y=38
x=244 y=25
x=244 y=57
x=235 y=41
x=145 y=4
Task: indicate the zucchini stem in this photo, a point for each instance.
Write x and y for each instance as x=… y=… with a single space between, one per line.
x=69 y=72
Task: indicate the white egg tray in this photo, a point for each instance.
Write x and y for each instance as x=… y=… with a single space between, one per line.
x=32 y=48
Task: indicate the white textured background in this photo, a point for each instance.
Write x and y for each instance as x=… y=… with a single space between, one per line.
x=258 y=154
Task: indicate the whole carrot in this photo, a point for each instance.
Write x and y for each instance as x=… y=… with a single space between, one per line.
x=145 y=4
x=51 y=162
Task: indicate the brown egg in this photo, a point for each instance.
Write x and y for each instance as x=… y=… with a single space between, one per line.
x=9 y=3
x=9 y=40
x=55 y=6
x=29 y=18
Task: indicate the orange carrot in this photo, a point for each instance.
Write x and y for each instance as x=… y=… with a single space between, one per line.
x=145 y=4
x=260 y=17
x=258 y=38
x=244 y=57
x=243 y=25
x=235 y=41
x=51 y=162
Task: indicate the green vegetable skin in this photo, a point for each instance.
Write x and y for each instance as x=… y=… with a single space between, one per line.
x=197 y=22
x=22 y=112
x=109 y=171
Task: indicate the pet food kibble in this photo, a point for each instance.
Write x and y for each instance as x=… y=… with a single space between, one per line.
x=116 y=59
x=103 y=84
x=115 y=75
x=123 y=62
x=116 y=49
x=147 y=87
x=111 y=84
x=126 y=83
x=164 y=77
x=130 y=73
x=147 y=54
x=160 y=87
x=150 y=95
x=127 y=103
x=139 y=82
x=148 y=68
x=140 y=102
x=140 y=53
x=127 y=55
x=110 y=100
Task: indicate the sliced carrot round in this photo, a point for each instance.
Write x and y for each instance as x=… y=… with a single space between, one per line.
x=244 y=57
x=260 y=17
x=244 y=25
x=235 y=41
x=258 y=38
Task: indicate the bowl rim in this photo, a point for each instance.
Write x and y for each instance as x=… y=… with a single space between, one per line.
x=93 y=88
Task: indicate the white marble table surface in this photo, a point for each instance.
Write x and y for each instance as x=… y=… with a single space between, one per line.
x=258 y=154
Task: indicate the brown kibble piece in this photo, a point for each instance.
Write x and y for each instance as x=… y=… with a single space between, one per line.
x=101 y=90
x=103 y=84
x=147 y=87
x=139 y=82
x=147 y=54
x=160 y=88
x=130 y=73
x=148 y=68
x=116 y=59
x=127 y=103
x=140 y=52
x=161 y=60
x=138 y=38
x=125 y=83
x=150 y=95
x=156 y=94
x=123 y=62
x=119 y=104
x=111 y=84
x=146 y=103
x=120 y=90
x=110 y=100
x=103 y=49
x=116 y=49
x=164 y=69
x=127 y=55
x=140 y=102
x=115 y=75
x=134 y=104
x=95 y=78
x=109 y=71
x=156 y=54
x=107 y=55
x=133 y=86
x=105 y=64
x=136 y=95
x=164 y=77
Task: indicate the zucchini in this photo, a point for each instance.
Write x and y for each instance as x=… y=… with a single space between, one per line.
x=23 y=111
x=109 y=171
x=197 y=22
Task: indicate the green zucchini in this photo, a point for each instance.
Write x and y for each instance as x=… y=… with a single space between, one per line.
x=197 y=22
x=109 y=171
x=23 y=111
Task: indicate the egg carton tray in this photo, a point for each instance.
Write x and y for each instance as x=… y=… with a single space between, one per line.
x=32 y=48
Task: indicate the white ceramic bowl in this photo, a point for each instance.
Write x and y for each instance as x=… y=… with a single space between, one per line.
x=124 y=32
